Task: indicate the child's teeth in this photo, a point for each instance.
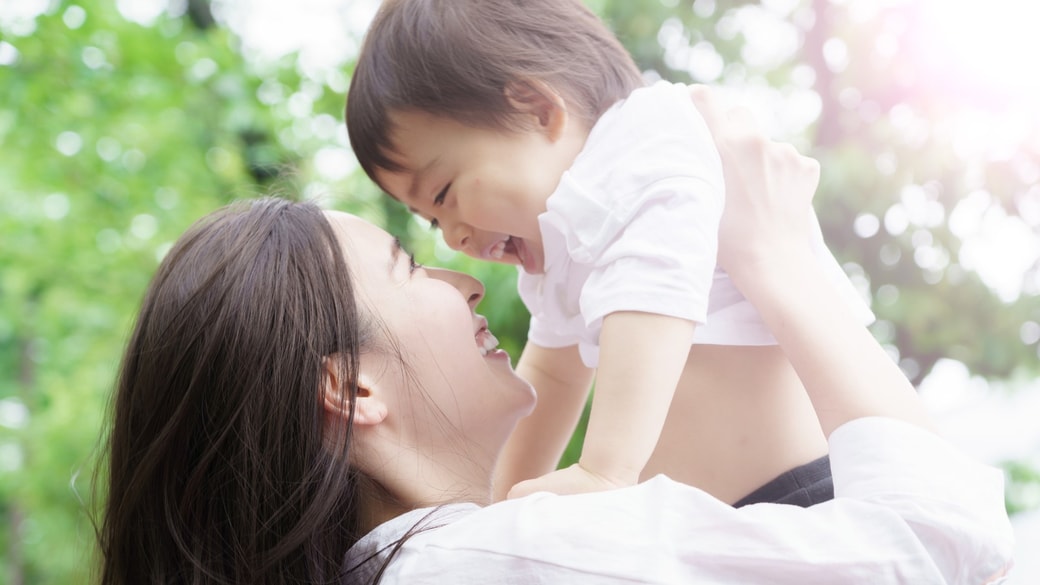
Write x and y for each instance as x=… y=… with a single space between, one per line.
x=497 y=251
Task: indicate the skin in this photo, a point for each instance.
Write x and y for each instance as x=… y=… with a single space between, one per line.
x=432 y=436
x=483 y=188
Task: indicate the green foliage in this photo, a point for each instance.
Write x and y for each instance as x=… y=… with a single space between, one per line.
x=115 y=136
x=1024 y=488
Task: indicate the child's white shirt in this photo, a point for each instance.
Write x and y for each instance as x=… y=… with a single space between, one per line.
x=633 y=226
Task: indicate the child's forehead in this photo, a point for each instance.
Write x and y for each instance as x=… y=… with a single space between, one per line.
x=415 y=138
x=401 y=181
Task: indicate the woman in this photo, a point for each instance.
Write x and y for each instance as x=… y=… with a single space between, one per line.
x=301 y=403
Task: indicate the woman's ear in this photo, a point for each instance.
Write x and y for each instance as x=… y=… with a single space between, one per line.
x=538 y=99
x=369 y=407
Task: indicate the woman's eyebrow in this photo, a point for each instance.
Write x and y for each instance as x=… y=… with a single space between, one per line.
x=395 y=254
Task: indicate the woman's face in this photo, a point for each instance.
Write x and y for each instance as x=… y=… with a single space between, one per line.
x=452 y=370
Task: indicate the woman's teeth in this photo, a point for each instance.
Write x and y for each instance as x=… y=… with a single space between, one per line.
x=487 y=342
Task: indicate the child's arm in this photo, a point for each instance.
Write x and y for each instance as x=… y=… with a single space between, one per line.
x=562 y=382
x=641 y=358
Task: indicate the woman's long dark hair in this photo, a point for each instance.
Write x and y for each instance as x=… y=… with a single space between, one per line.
x=220 y=468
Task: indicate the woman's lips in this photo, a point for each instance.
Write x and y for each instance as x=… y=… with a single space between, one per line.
x=486 y=342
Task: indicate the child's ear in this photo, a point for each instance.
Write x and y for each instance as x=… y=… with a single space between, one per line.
x=538 y=99
x=369 y=406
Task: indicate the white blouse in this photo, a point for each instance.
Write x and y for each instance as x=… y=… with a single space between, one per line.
x=908 y=508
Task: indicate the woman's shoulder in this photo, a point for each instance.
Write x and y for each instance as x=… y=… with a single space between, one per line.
x=542 y=538
x=367 y=557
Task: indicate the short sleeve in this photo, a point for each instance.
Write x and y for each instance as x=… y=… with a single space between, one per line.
x=541 y=333
x=641 y=207
x=663 y=259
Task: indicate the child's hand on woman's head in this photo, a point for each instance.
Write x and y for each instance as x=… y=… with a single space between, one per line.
x=769 y=190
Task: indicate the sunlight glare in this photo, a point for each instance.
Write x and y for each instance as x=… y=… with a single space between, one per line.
x=994 y=43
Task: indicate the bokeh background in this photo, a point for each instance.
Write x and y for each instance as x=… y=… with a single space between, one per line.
x=123 y=121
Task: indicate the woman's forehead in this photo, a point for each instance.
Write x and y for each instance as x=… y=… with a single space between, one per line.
x=358 y=231
x=368 y=248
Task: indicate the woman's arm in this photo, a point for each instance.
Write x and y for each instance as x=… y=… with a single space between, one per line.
x=764 y=246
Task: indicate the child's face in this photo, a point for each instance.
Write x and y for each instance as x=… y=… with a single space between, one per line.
x=483 y=188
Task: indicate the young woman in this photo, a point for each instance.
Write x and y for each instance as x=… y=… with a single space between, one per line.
x=301 y=403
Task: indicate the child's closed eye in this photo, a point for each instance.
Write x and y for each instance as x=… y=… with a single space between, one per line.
x=437 y=202
x=439 y=199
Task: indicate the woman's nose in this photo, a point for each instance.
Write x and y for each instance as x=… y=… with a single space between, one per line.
x=471 y=288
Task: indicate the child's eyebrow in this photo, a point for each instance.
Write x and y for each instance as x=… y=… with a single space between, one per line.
x=417 y=175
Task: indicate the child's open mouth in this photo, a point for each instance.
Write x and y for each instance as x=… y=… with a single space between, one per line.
x=517 y=248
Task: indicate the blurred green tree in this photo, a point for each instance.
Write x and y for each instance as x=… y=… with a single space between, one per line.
x=114 y=136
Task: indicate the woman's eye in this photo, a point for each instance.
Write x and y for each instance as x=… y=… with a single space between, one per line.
x=434 y=225
x=439 y=199
x=412 y=265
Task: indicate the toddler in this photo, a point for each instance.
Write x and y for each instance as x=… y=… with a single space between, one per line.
x=524 y=132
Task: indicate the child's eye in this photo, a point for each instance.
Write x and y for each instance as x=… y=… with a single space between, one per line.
x=439 y=199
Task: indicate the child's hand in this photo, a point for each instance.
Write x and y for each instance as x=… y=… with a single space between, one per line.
x=569 y=480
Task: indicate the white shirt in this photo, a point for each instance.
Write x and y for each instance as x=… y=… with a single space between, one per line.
x=908 y=508
x=633 y=226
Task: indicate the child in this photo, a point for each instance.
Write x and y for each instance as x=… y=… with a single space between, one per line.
x=523 y=131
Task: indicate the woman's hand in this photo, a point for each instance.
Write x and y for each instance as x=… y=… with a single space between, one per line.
x=769 y=191
x=764 y=245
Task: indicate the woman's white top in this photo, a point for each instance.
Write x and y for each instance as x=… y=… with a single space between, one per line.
x=633 y=226
x=908 y=508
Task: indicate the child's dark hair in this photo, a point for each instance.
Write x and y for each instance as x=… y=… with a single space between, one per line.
x=456 y=58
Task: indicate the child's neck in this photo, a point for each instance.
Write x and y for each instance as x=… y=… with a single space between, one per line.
x=573 y=142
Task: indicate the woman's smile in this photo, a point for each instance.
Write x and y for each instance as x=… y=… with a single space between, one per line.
x=486 y=341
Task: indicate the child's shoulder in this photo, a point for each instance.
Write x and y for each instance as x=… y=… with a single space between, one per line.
x=660 y=94
x=652 y=120
x=660 y=106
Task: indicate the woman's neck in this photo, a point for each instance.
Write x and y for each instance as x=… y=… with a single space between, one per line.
x=377 y=507
x=425 y=486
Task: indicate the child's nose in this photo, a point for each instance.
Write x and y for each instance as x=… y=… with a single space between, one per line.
x=457 y=237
